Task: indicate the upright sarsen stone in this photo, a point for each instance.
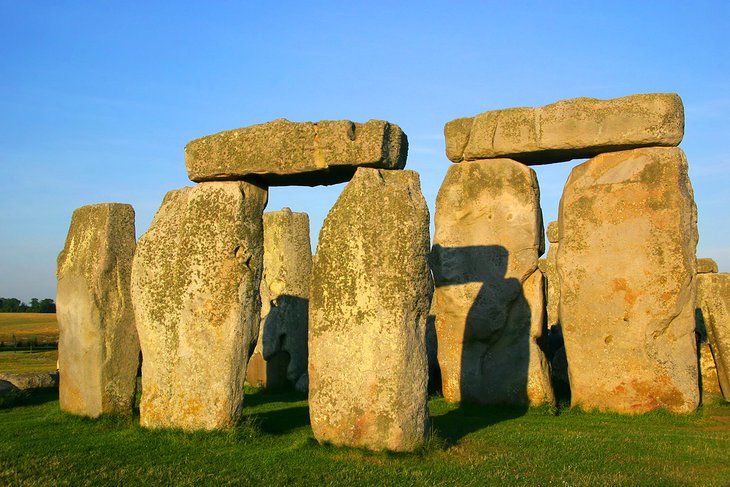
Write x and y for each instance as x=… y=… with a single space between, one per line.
x=280 y=356
x=628 y=232
x=195 y=286
x=98 y=348
x=370 y=296
x=489 y=301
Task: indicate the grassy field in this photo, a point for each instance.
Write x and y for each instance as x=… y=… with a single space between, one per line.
x=26 y=361
x=26 y=326
x=274 y=446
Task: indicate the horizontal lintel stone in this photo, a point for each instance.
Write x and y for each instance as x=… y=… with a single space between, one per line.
x=280 y=152
x=569 y=129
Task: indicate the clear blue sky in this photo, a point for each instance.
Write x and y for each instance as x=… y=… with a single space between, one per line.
x=98 y=99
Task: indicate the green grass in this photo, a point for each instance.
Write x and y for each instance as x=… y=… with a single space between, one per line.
x=274 y=446
x=26 y=361
x=26 y=326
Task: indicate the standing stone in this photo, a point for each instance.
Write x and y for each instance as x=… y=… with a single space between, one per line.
x=98 y=348
x=569 y=129
x=195 y=285
x=556 y=346
x=549 y=268
x=370 y=296
x=713 y=299
x=281 y=152
x=488 y=301
x=280 y=357
x=628 y=232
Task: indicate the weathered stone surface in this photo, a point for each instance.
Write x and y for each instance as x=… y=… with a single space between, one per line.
x=488 y=301
x=31 y=380
x=297 y=153
x=98 y=348
x=628 y=232
x=706 y=266
x=713 y=300
x=195 y=286
x=280 y=356
x=370 y=296
x=569 y=129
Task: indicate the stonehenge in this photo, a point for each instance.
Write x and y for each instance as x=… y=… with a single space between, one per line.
x=283 y=153
x=280 y=356
x=195 y=287
x=216 y=293
x=98 y=348
x=489 y=301
x=369 y=301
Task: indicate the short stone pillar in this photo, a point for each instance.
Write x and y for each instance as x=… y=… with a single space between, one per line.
x=488 y=301
x=370 y=296
x=195 y=286
x=98 y=348
x=280 y=356
x=628 y=232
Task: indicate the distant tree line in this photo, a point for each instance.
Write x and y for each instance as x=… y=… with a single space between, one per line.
x=13 y=305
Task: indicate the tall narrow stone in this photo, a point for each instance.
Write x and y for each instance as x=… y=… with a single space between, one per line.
x=713 y=300
x=280 y=357
x=195 y=285
x=98 y=348
x=628 y=232
x=370 y=296
x=489 y=302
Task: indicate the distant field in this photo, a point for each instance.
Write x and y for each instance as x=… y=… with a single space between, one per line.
x=25 y=326
x=24 y=361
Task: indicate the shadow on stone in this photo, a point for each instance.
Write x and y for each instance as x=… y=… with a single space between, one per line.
x=492 y=349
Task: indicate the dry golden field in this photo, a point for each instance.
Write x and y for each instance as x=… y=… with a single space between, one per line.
x=25 y=326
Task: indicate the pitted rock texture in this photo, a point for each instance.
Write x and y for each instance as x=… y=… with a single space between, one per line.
x=569 y=129
x=708 y=371
x=281 y=152
x=195 y=285
x=280 y=356
x=488 y=301
x=370 y=295
x=713 y=301
x=628 y=232
x=98 y=348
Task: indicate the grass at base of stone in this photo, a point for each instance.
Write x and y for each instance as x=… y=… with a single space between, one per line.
x=27 y=361
x=273 y=445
